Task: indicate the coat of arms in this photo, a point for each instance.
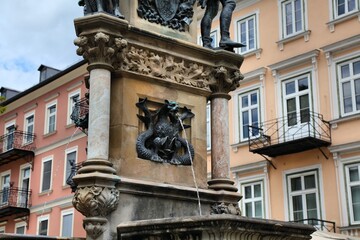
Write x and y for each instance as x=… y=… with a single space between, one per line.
x=175 y=14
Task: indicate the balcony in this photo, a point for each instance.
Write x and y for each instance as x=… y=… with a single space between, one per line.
x=80 y=114
x=319 y=224
x=291 y=134
x=16 y=145
x=14 y=201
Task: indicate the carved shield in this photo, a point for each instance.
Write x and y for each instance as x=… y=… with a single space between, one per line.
x=167 y=8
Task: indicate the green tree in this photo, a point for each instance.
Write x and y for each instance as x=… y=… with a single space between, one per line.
x=2 y=108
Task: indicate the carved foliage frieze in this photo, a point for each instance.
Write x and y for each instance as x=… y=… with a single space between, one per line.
x=96 y=201
x=175 y=14
x=225 y=80
x=167 y=67
x=101 y=48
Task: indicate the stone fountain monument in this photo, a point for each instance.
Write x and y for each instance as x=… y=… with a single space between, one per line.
x=146 y=172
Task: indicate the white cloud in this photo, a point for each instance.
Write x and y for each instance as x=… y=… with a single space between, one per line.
x=35 y=33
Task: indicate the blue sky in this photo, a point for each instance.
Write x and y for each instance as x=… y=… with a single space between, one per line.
x=34 y=33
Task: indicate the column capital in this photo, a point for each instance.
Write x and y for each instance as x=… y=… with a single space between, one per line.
x=224 y=80
x=101 y=50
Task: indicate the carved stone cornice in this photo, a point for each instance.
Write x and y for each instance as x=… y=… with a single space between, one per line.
x=225 y=208
x=94 y=201
x=101 y=50
x=225 y=80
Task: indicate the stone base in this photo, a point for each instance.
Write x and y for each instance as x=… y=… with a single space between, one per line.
x=213 y=227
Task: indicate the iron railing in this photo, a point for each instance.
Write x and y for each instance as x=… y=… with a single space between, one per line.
x=289 y=128
x=319 y=224
x=80 y=114
x=17 y=140
x=15 y=197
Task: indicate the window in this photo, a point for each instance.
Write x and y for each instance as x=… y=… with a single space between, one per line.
x=20 y=228
x=46 y=175
x=9 y=140
x=353 y=191
x=2 y=229
x=293 y=17
x=29 y=128
x=70 y=157
x=5 y=187
x=24 y=186
x=253 y=199
x=247 y=33
x=349 y=87
x=43 y=225
x=67 y=223
x=50 y=118
x=344 y=7
x=74 y=97
x=249 y=114
x=303 y=196
x=208 y=126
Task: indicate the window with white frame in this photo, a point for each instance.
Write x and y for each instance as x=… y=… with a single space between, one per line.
x=50 y=118
x=214 y=39
x=253 y=199
x=2 y=229
x=292 y=17
x=208 y=126
x=20 y=228
x=43 y=225
x=5 y=187
x=303 y=196
x=247 y=33
x=71 y=156
x=74 y=97
x=352 y=173
x=46 y=175
x=349 y=86
x=67 y=217
x=29 y=128
x=344 y=7
x=249 y=114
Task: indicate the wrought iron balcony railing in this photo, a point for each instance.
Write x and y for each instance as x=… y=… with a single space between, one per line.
x=80 y=114
x=17 y=140
x=14 y=200
x=319 y=224
x=290 y=134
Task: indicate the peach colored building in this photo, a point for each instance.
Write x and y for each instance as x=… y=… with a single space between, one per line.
x=38 y=139
x=295 y=143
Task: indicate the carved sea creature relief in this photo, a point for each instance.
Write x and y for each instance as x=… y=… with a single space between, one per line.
x=161 y=142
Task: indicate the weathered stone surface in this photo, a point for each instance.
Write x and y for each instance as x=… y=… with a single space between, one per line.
x=213 y=227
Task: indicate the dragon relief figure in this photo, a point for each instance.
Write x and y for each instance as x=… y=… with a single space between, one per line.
x=161 y=142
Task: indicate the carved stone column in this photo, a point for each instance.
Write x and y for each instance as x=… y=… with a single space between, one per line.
x=96 y=195
x=224 y=80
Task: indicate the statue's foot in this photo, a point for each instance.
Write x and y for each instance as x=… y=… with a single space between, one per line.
x=118 y=14
x=230 y=44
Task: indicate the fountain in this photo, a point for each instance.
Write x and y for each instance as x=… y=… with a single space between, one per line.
x=149 y=87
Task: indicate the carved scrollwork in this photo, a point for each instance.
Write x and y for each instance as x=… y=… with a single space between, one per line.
x=94 y=227
x=96 y=201
x=225 y=80
x=225 y=208
x=101 y=48
x=167 y=67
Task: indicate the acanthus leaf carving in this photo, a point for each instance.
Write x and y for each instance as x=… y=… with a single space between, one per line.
x=101 y=48
x=225 y=208
x=225 y=80
x=96 y=201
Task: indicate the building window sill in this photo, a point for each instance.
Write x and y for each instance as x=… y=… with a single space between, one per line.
x=235 y=147
x=47 y=192
x=70 y=125
x=49 y=134
x=334 y=123
x=255 y=52
x=331 y=24
x=305 y=35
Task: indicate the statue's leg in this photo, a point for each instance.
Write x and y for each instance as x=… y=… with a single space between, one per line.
x=116 y=7
x=211 y=10
x=99 y=5
x=225 y=21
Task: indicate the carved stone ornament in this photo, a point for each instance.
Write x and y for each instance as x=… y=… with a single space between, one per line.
x=96 y=201
x=94 y=227
x=161 y=142
x=167 y=67
x=175 y=14
x=225 y=208
x=101 y=48
x=225 y=80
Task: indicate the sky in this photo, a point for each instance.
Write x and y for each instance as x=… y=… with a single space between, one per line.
x=34 y=33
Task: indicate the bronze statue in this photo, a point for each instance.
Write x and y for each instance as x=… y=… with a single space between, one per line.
x=212 y=8
x=108 y=6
